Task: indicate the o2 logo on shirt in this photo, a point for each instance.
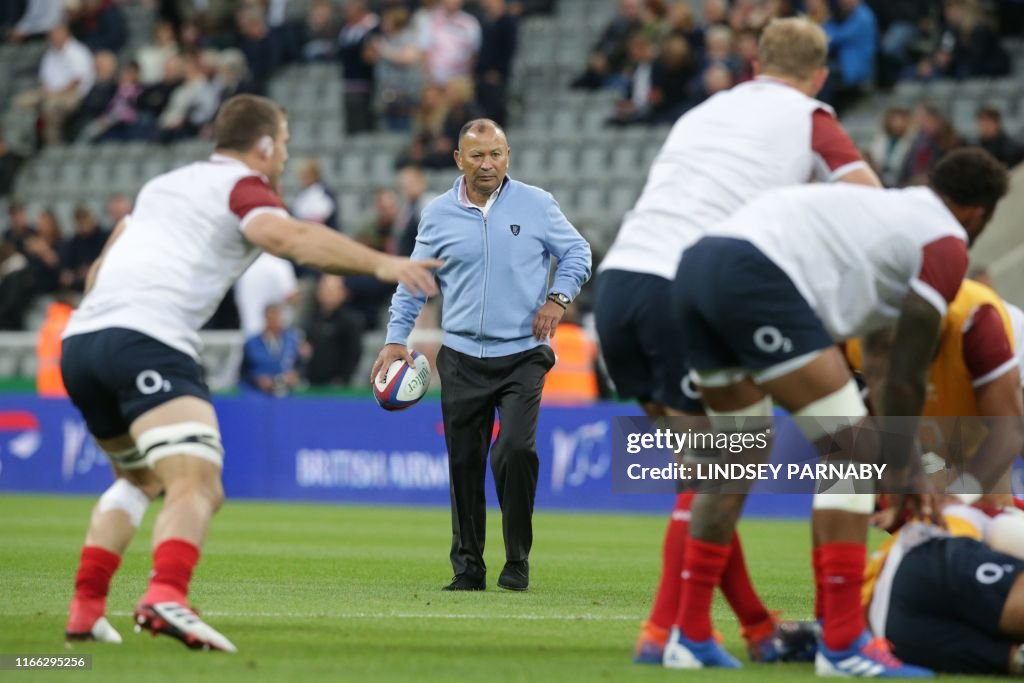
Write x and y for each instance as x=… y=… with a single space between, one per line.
x=770 y=340
x=990 y=572
x=149 y=382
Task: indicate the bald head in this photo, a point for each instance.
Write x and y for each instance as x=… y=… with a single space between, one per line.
x=482 y=157
x=481 y=128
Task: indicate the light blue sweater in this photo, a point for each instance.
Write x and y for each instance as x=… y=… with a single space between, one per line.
x=495 y=276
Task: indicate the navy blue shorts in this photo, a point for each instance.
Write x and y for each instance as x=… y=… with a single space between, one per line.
x=947 y=598
x=740 y=310
x=640 y=341
x=115 y=375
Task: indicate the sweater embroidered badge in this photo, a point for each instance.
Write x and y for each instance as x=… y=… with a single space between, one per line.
x=514 y=229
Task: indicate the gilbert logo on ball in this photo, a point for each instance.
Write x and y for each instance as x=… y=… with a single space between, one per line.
x=403 y=385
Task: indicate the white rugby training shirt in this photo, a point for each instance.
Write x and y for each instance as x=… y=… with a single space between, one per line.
x=853 y=252
x=181 y=250
x=757 y=136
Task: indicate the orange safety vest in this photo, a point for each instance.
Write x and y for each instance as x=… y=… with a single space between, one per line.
x=48 y=379
x=572 y=379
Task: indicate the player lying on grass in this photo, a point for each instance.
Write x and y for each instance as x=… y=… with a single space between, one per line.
x=764 y=299
x=952 y=599
x=131 y=356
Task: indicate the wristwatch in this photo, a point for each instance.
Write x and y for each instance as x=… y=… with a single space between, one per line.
x=560 y=299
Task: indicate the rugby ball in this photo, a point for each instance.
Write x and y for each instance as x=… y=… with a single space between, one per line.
x=403 y=385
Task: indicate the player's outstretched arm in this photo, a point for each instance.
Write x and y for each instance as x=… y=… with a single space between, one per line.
x=316 y=246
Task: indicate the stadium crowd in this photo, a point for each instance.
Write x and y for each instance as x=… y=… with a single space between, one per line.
x=424 y=67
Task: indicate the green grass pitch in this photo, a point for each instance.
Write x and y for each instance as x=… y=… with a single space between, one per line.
x=343 y=593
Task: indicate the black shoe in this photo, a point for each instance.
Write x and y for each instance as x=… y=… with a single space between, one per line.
x=515 y=576
x=466 y=582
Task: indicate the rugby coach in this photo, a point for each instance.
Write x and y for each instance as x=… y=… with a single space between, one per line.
x=496 y=237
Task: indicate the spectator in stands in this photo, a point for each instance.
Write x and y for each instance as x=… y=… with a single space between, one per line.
x=379 y=233
x=84 y=247
x=100 y=25
x=120 y=120
x=358 y=27
x=368 y=295
x=903 y=24
x=10 y=162
x=500 y=36
x=154 y=98
x=43 y=252
x=118 y=206
x=270 y=358
x=315 y=201
x=450 y=39
x=889 y=148
x=98 y=99
x=412 y=186
x=635 y=106
x=994 y=139
x=40 y=17
x=608 y=56
x=15 y=287
x=853 y=41
x=969 y=46
x=65 y=75
x=398 y=72
x=262 y=52
x=718 y=49
x=10 y=13
x=935 y=137
x=175 y=121
x=681 y=22
x=334 y=335
x=714 y=79
x=461 y=107
x=321 y=33
x=151 y=58
x=746 y=54
x=19 y=226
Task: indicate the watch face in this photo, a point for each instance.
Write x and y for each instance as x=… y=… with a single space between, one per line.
x=562 y=298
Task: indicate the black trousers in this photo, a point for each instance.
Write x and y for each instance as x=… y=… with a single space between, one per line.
x=472 y=389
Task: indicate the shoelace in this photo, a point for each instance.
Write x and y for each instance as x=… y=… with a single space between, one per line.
x=880 y=650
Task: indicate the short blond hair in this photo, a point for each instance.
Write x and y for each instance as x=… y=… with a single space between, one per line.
x=794 y=48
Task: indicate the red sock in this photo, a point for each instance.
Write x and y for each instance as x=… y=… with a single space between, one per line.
x=95 y=570
x=842 y=575
x=92 y=583
x=738 y=589
x=173 y=562
x=819 y=585
x=703 y=564
x=1018 y=503
x=666 y=600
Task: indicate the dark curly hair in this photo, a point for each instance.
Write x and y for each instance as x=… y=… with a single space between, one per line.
x=970 y=177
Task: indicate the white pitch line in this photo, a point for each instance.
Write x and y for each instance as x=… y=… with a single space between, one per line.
x=400 y=615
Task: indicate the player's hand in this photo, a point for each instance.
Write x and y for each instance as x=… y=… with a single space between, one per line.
x=926 y=507
x=546 y=320
x=417 y=276
x=388 y=355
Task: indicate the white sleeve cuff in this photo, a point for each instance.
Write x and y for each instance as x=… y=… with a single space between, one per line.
x=929 y=294
x=260 y=210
